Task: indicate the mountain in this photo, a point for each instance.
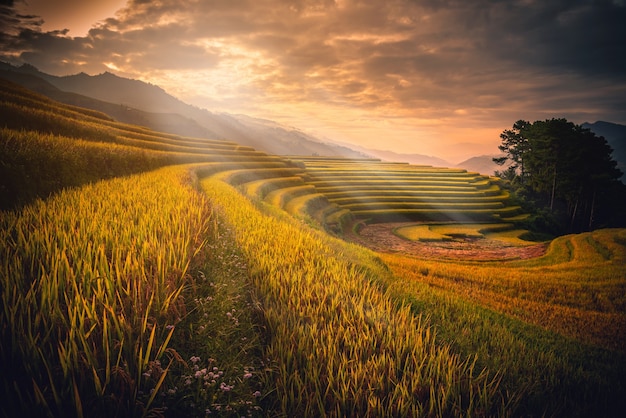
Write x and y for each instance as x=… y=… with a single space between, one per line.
x=417 y=159
x=164 y=122
x=615 y=135
x=386 y=155
x=482 y=164
x=137 y=102
x=140 y=103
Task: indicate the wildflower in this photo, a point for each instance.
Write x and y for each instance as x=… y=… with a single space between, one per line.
x=226 y=388
x=194 y=359
x=169 y=327
x=248 y=375
x=256 y=394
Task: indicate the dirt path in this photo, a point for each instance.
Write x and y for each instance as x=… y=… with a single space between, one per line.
x=380 y=238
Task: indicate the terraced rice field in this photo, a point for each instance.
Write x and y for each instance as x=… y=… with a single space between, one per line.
x=382 y=192
x=146 y=274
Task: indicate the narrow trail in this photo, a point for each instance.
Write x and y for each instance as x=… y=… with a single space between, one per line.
x=380 y=237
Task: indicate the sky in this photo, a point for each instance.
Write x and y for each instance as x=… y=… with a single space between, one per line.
x=434 y=77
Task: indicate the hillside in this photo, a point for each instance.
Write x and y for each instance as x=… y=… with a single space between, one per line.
x=136 y=102
x=481 y=164
x=391 y=156
x=165 y=122
x=148 y=274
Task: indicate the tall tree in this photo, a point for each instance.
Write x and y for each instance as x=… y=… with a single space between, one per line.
x=515 y=147
x=567 y=166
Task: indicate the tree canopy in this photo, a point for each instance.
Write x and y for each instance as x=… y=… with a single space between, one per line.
x=563 y=167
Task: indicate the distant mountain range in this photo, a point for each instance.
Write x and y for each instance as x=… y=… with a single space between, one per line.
x=140 y=103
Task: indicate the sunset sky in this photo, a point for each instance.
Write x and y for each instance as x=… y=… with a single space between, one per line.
x=436 y=77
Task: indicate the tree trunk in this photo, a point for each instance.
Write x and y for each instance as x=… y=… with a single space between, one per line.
x=553 y=189
x=593 y=206
x=573 y=220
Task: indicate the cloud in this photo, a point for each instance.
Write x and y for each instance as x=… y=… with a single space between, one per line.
x=477 y=63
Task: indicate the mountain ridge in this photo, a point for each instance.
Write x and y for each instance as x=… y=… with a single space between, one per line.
x=137 y=102
x=189 y=120
x=150 y=104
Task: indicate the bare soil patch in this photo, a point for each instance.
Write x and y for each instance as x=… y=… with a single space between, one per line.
x=380 y=237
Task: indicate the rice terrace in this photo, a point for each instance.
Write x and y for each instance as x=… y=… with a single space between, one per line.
x=148 y=274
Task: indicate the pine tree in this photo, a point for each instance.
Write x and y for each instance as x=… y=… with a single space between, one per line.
x=565 y=166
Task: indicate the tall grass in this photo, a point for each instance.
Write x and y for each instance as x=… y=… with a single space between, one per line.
x=37 y=165
x=91 y=284
x=553 y=326
x=341 y=346
x=136 y=297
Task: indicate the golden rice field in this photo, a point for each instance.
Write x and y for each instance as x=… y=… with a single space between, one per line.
x=145 y=274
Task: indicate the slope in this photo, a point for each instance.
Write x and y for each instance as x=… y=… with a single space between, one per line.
x=126 y=93
x=108 y=290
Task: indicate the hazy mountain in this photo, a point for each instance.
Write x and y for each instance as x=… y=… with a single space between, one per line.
x=134 y=101
x=482 y=164
x=386 y=155
x=165 y=122
x=417 y=159
x=615 y=135
x=140 y=103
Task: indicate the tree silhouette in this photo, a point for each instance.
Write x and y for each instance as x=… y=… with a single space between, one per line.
x=563 y=167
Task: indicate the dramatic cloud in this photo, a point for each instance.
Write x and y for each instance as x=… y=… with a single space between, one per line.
x=406 y=73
